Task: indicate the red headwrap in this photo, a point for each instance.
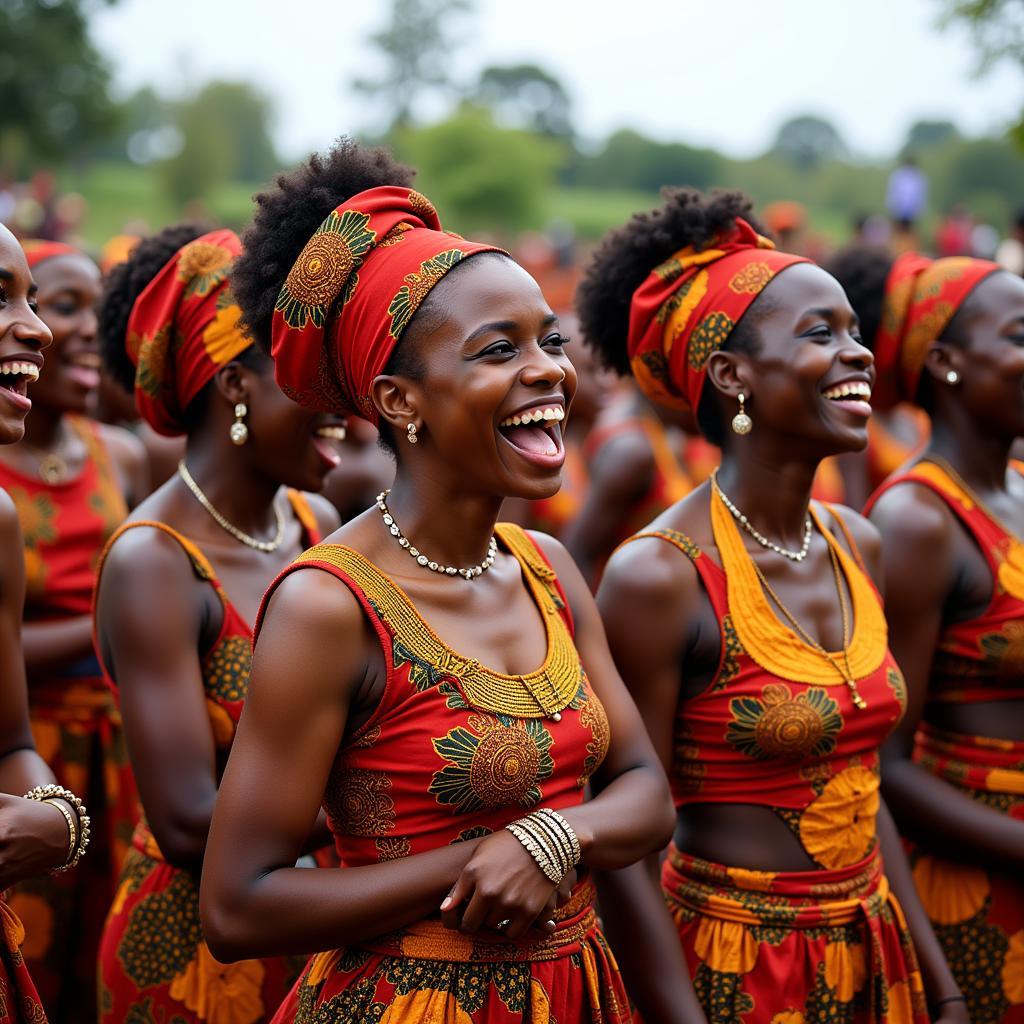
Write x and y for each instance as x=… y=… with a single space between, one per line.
x=39 y=249
x=688 y=307
x=183 y=328
x=353 y=291
x=921 y=297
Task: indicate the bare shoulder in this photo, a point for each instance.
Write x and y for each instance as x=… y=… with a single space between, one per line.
x=326 y=515
x=125 y=448
x=313 y=606
x=912 y=514
x=864 y=533
x=623 y=462
x=145 y=553
x=648 y=572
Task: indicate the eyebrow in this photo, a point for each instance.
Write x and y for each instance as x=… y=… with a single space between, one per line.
x=507 y=325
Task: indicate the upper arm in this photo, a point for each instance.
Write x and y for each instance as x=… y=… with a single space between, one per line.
x=630 y=743
x=916 y=555
x=149 y=614
x=308 y=660
x=14 y=730
x=128 y=454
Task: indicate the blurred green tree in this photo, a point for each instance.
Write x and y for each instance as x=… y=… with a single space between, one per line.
x=416 y=47
x=53 y=81
x=631 y=160
x=926 y=134
x=807 y=141
x=481 y=175
x=225 y=136
x=526 y=96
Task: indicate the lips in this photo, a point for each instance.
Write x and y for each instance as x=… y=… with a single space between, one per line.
x=536 y=432
x=15 y=377
x=853 y=396
x=84 y=369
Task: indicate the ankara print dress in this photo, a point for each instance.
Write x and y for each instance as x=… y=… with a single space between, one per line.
x=455 y=751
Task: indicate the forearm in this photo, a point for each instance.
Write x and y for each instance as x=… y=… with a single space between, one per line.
x=646 y=944
x=22 y=770
x=929 y=808
x=53 y=645
x=289 y=910
x=938 y=979
x=628 y=819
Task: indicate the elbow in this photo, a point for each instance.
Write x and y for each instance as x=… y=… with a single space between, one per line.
x=182 y=841
x=224 y=927
x=665 y=823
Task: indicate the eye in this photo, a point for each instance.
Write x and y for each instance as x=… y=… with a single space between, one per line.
x=558 y=341
x=64 y=307
x=819 y=334
x=33 y=304
x=499 y=348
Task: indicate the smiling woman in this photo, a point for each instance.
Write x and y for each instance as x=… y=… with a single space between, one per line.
x=748 y=627
x=448 y=710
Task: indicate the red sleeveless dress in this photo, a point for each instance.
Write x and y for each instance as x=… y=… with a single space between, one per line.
x=778 y=727
x=455 y=751
x=154 y=967
x=75 y=724
x=977 y=913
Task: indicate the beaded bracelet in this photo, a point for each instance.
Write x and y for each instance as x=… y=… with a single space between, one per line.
x=80 y=843
x=538 y=849
x=550 y=840
x=570 y=834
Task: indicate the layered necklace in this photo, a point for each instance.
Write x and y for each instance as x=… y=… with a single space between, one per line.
x=266 y=546
x=422 y=560
x=793 y=556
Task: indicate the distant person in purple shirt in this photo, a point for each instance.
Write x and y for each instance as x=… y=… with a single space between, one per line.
x=907 y=194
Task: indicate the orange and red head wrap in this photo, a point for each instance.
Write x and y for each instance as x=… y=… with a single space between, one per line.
x=183 y=327
x=352 y=292
x=921 y=297
x=39 y=249
x=688 y=306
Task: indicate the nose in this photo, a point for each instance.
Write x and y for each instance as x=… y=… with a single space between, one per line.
x=31 y=330
x=89 y=324
x=856 y=353
x=542 y=368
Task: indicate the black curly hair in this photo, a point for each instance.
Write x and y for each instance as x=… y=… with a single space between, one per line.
x=628 y=254
x=123 y=285
x=862 y=270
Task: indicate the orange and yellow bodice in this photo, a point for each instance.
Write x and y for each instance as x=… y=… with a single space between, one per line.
x=979 y=659
x=64 y=528
x=454 y=750
x=778 y=725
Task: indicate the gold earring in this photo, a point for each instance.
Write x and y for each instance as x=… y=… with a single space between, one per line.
x=741 y=422
x=410 y=434
x=239 y=431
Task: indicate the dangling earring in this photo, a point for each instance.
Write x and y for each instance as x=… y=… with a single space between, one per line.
x=952 y=377
x=410 y=434
x=239 y=431
x=741 y=422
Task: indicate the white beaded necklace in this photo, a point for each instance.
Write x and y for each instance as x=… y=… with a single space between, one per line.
x=421 y=559
x=794 y=556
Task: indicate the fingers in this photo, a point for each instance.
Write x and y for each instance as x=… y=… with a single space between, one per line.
x=451 y=906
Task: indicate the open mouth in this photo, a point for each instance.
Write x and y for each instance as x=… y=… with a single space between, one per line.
x=536 y=433
x=853 y=396
x=84 y=369
x=327 y=439
x=15 y=377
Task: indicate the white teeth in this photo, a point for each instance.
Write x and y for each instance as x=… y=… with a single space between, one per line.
x=332 y=433
x=18 y=369
x=89 y=360
x=551 y=414
x=857 y=389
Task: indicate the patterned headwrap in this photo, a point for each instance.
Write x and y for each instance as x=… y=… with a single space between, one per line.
x=353 y=291
x=921 y=297
x=688 y=306
x=183 y=327
x=39 y=249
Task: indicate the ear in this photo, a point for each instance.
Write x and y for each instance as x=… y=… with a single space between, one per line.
x=942 y=358
x=396 y=400
x=730 y=373
x=231 y=382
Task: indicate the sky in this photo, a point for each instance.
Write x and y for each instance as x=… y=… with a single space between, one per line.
x=721 y=73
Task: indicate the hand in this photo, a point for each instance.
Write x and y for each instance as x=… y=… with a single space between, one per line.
x=952 y=1013
x=502 y=882
x=33 y=838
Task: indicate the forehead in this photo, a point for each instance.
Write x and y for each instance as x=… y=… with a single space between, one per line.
x=803 y=287
x=1000 y=296
x=488 y=288
x=12 y=256
x=67 y=271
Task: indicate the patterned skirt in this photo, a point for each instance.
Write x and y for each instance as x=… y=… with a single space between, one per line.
x=978 y=914
x=427 y=973
x=19 y=1001
x=155 y=968
x=77 y=731
x=795 y=947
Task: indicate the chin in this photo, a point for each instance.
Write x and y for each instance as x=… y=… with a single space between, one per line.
x=12 y=430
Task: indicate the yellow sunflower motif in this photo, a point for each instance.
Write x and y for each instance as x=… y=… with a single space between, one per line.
x=222 y=337
x=951 y=893
x=788 y=1017
x=204 y=266
x=838 y=827
x=323 y=268
x=36 y=515
x=783 y=725
x=751 y=279
x=426 y=1006
x=725 y=945
x=220 y=993
x=152 y=361
x=496 y=762
x=846 y=969
x=417 y=286
x=1013 y=969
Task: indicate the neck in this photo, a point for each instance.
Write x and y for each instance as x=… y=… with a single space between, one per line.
x=238 y=492
x=774 y=496
x=449 y=526
x=44 y=428
x=977 y=456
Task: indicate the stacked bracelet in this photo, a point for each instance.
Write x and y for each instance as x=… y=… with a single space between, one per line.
x=550 y=840
x=78 y=841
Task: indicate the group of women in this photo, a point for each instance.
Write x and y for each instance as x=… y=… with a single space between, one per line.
x=436 y=702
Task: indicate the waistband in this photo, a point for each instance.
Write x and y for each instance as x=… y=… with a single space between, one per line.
x=575 y=923
x=791 y=899
x=977 y=762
